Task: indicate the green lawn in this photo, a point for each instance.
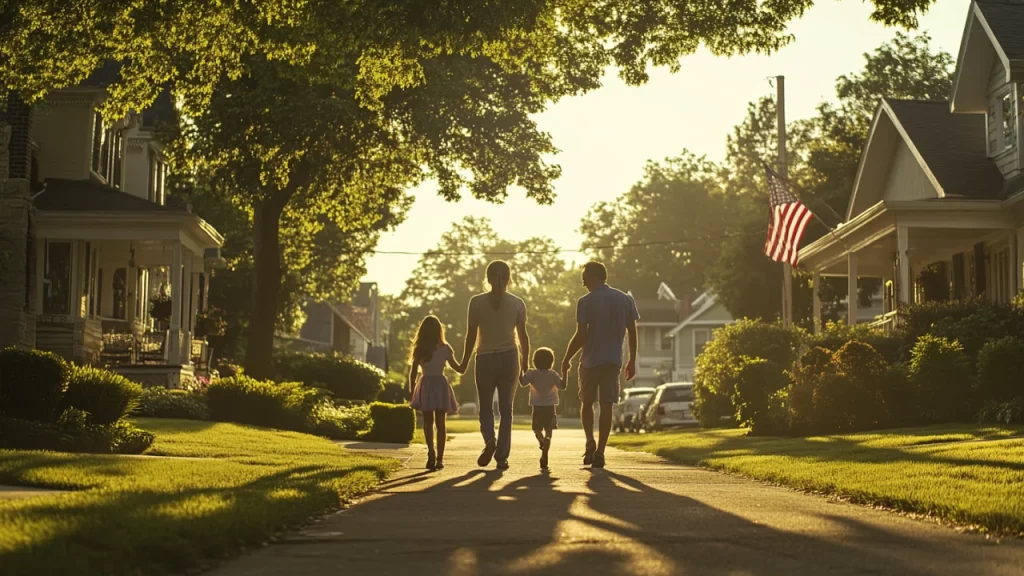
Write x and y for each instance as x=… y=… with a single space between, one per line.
x=232 y=486
x=965 y=474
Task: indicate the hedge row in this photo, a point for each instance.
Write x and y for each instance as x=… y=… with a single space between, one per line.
x=46 y=403
x=781 y=380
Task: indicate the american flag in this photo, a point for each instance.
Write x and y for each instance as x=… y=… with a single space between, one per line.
x=787 y=219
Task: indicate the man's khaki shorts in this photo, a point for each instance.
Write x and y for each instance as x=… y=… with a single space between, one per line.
x=600 y=383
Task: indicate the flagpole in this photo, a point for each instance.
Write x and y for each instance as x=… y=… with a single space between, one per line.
x=787 y=268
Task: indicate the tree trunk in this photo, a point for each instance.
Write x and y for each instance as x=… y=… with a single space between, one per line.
x=266 y=286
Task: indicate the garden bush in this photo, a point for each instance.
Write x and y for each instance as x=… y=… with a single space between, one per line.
x=104 y=395
x=892 y=347
x=391 y=423
x=159 y=402
x=970 y=322
x=847 y=395
x=32 y=384
x=759 y=406
x=898 y=396
x=1009 y=413
x=718 y=365
x=246 y=400
x=343 y=376
x=337 y=422
x=1001 y=369
x=72 y=433
x=941 y=378
x=804 y=379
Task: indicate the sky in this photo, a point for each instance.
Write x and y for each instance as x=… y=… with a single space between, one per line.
x=606 y=136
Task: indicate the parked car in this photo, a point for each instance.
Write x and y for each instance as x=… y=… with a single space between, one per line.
x=670 y=406
x=625 y=413
x=468 y=409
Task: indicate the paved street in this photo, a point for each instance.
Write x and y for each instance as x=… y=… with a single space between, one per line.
x=639 y=516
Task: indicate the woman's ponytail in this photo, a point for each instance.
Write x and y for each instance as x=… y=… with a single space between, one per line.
x=498 y=276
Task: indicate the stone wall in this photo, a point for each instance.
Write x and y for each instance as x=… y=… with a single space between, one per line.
x=17 y=270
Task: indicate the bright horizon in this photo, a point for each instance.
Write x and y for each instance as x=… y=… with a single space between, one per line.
x=606 y=137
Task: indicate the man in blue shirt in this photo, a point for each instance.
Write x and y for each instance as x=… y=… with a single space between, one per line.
x=603 y=318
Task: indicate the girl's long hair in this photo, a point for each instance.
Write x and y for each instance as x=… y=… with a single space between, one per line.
x=429 y=338
x=498 y=276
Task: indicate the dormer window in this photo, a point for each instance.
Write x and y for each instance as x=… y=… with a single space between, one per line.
x=106 y=152
x=1002 y=123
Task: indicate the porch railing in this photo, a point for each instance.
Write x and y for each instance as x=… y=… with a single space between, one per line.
x=120 y=349
x=887 y=322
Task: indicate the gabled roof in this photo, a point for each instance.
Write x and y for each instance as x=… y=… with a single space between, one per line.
x=993 y=33
x=702 y=304
x=950 y=149
x=88 y=196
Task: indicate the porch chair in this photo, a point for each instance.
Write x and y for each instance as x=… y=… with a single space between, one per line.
x=117 y=349
x=152 y=348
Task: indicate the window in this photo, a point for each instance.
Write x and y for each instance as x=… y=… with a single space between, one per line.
x=1002 y=123
x=57 y=278
x=98 y=137
x=152 y=177
x=701 y=337
x=120 y=288
x=666 y=340
x=116 y=159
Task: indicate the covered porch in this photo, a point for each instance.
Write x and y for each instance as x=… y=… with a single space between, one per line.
x=123 y=290
x=922 y=250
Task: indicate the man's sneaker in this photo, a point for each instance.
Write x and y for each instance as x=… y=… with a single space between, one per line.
x=544 y=460
x=486 y=454
x=598 y=460
x=588 y=456
x=502 y=465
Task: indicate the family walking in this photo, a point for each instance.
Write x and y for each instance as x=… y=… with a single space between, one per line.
x=497 y=334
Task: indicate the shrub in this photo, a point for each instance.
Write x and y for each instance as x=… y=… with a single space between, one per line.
x=32 y=384
x=1010 y=412
x=1001 y=369
x=246 y=400
x=106 y=396
x=393 y=394
x=72 y=433
x=847 y=396
x=971 y=322
x=343 y=376
x=160 y=402
x=718 y=365
x=804 y=378
x=391 y=423
x=892 y=347
x=340 y=423
x=898 y=396
x=755 y=396
x=940 y=376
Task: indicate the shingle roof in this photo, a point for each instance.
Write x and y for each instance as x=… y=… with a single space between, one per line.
x=1006 y=19
x=88 y=196
x=953 y=147
x=652 y=310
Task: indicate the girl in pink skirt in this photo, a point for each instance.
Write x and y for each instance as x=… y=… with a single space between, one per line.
x=432 y=394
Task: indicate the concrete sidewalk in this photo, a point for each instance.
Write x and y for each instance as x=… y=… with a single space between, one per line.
x=640 y=516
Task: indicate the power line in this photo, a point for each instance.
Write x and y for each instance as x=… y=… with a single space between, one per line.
x=567 y=250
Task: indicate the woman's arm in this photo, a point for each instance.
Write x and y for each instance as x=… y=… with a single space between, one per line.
x=524 y=346
x=457 y=366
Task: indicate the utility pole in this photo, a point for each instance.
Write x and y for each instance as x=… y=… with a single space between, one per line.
x=787 y=268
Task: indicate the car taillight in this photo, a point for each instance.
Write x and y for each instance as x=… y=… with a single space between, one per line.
x=661 y=410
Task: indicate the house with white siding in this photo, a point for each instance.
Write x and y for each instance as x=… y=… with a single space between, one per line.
x=99 y=266
x=691 y=335
x=939 y=187
x=655 y=347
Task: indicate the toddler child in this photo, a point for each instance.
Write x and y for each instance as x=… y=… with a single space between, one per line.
x=544 y=385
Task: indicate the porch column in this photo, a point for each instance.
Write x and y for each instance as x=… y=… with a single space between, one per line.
x=174 y=335
x=194 y=306
x=1013 y=278
x=816 y=300
x=186 y=309
x=851 y=290
x=902 y=249
x=132 y=298
x=1018 y=260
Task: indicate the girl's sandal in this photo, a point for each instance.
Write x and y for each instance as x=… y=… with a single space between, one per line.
x=431 y=462
x=440 y=464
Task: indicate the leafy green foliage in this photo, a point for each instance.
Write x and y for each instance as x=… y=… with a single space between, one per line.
x=718 y=367
x=158 y=402
x=73 y=433
x=344 y=376
x=940 y=374
x=1001 y=369
x=1010 y=412
x=756 y=396
x=846 y=395
x=246 y=400
x=340 y=423
x=391 y=423
x=32 y=384
x=835 y=334
x=106 y=396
